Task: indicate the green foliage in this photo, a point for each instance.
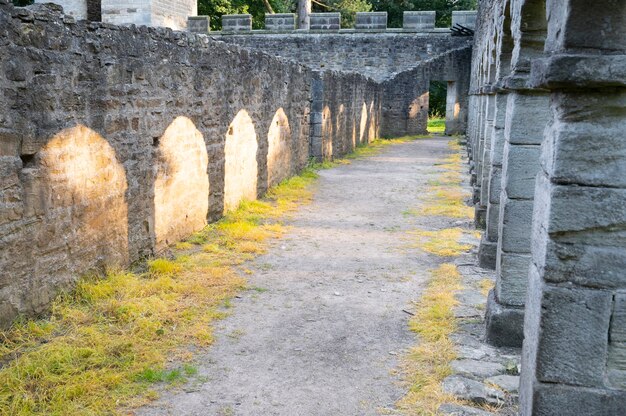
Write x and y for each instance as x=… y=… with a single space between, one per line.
x=22 y=3
x=437 y=99
x=347 y=8
x=216 y=8
x=444 y=8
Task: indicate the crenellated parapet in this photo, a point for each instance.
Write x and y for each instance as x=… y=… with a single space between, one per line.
x=413 y=22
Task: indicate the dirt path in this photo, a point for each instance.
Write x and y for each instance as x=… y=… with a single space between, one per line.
x=322 y=333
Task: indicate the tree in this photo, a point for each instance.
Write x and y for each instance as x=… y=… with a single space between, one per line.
x=304 y=11
x=257 y=8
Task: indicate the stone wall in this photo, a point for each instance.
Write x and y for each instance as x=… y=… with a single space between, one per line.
x=405 y=63
x=378 y=55
x=545 y=135
x=405 y=99
x=116 y=141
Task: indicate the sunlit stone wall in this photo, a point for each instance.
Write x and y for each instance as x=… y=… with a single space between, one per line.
x=117 y=141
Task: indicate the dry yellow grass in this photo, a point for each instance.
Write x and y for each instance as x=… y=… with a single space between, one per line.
x=443 y=243
x=485 y=285
x=113 y=337
x=427 y=364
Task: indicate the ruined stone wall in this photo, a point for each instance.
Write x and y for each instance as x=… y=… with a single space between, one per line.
x=547 y=116
x=116 y=141
x=405 y=99
x=379 y=55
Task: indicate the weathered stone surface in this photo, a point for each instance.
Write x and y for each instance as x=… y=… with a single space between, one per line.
x=512 y=270
x=487 y=254
x=361 y=51
x=504 y=323
x=521 y=165
x=475 y=368
x=505 y=382
x=459 y=410
x=474 y=391
x=515 y=225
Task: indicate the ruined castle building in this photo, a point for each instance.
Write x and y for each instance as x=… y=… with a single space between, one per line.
x=155 y=13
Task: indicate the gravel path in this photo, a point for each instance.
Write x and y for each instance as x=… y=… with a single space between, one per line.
x=322 y=333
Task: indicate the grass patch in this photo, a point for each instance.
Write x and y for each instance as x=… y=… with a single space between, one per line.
x=485 y=285
x=436 y=125
x=444 y=243
x=110 y=341
x=427 y=364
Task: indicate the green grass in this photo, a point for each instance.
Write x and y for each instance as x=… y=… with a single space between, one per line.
x=436 y=125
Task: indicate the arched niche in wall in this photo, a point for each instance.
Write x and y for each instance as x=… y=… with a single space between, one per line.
x=83 y=201
x=279 y=152
x=363 y=125
x=240 y=163
x=327 y=134
x=341 y=134
x=181 y=186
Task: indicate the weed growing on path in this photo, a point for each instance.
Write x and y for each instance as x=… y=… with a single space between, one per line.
x=444 y=243
x=427 y=364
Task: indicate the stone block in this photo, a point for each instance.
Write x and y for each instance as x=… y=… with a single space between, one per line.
x=527 y=116
x=487 y=253
x=420 y=21
x=512 y=271
x=371 y=20
x=553 y=400
x=466 y=18
x=472 y=390
x=495 y=184
x=571 y=344
x=585 y=28
x=236 y=23
x=575 y=246
x=597 y=162
x=280 y=22
x=520 y=167
x=504 y=324
x=199 y=24
x=325 y=21
x=515 y=225
x=493 y=219
x=460 y=410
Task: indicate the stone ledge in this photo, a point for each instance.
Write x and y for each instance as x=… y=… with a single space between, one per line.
x=579 y=71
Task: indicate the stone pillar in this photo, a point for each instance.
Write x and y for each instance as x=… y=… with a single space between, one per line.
x=484 y=149
x=489 y=243
x=452 y=109
x=527 y=115
x=574 y=355
x=316 y=139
